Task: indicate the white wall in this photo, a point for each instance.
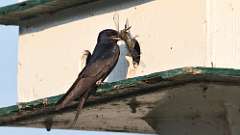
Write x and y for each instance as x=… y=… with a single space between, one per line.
x=171 y=34
x=224 y=33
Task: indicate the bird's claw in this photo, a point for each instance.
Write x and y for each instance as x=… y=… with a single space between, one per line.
x=20 y=106
x=99 y=82
x=45 y=102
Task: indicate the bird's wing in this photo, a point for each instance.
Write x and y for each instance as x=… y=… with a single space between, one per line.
x=101 y=64
x=93 y=71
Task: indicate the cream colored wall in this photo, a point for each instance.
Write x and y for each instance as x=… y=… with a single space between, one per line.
x=224 y=33
x=171 y=34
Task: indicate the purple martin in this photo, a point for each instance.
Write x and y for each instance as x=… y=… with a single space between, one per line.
x=98 y=67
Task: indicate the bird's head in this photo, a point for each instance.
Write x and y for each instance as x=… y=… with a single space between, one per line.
x=109 y=35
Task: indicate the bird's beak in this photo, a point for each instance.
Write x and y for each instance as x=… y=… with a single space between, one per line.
x=116 y=38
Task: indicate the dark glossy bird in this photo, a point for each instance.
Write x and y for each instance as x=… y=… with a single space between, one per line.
x=98 y=67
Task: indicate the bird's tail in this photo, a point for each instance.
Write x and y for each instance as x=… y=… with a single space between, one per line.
x=79 y=108
x=68 y=97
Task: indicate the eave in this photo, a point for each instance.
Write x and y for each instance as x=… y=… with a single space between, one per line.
x=143 y=104
x=17 y=13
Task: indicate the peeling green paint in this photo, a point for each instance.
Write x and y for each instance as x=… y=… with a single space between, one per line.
x=22 y=6
x=17 y=13
x=132 y=82
x=8 y=110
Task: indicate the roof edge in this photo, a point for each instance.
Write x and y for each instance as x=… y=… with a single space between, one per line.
x=124 y=84
x=16 y=14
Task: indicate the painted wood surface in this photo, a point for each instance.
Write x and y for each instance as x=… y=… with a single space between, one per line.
x=184 y=101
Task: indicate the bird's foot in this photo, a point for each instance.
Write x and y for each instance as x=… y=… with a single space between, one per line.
x=20 y=106
x=99 y=82
x=45 y=102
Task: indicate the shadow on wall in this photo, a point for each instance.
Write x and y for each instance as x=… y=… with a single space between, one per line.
x=77 y=13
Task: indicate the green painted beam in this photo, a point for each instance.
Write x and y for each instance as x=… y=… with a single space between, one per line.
x=116 y=87
x=17 y=13
x=22 y=6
